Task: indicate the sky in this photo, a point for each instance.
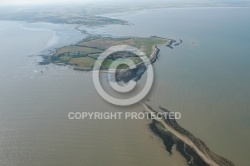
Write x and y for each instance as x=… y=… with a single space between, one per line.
x=46 y=1
x=2 y=2
x=34 y=1
x=63 y=1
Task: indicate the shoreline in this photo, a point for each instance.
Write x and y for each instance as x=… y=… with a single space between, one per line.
x=171 y=133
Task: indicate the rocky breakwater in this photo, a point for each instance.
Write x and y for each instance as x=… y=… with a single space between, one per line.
x=190 y=147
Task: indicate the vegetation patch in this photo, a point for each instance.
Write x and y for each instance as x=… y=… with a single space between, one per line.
x=83 y=62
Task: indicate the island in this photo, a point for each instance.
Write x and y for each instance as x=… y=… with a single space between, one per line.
x=85 y=53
